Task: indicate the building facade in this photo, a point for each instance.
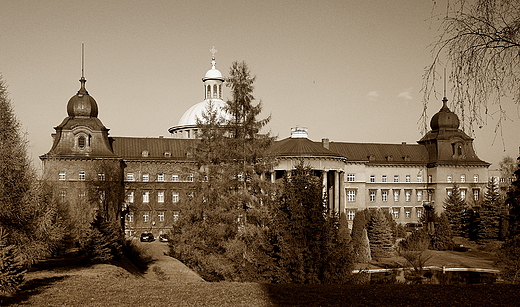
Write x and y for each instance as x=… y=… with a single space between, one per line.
x=155 y=174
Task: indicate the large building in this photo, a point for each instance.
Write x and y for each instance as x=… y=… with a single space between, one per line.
x=155 y=173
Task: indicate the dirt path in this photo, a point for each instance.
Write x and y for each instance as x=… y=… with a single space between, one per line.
x=165 y=267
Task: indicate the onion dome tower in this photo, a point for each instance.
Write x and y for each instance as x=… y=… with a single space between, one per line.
x=213 y=82
x=446 y=143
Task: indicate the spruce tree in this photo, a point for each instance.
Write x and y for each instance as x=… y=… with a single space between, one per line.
x=513 y=203
x=11 y=267
x=442 y=238
x=488 y=222
x=380 y=235
x=103 y=242
x=457 y=212
x=360 y=242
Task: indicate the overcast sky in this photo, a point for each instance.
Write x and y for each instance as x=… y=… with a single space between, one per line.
x=349 y=71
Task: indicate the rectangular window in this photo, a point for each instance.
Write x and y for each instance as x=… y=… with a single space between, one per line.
x=351 y=214
x=62 y=176
x=463 y=194
x=407 y=213
x=462 y=178
x=395 y=213
x=475 y=178
x=419 y=195
x=175 y=197
x=372 y=196
x=476 y=194
x=384 y=195
x=175 y=177
x=383 y=178
x=175 y=216
x=160 y=196
x=130 y=196
x=372 y=178
x=351 y=195
x=449 y=179
x=101 y=176
x=160 y=215
x=130 y=177
x=396 y=178
x=146 y=197
x=130 y=217
x=419 y=178
x=160 y=177
x=396 y=195
x=81 y=175
x=408 y=178
x=408 y=195
x=146 y=177
x=430 y=179
x=146 y=217
x=419 y=213
x=63 y=195
x=189 y=178
x=351 y=177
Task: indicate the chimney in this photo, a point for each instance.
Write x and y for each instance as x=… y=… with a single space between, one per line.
x=325 y=143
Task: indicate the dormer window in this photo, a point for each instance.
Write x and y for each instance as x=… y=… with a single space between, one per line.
x=82 y=142
x=145 y=153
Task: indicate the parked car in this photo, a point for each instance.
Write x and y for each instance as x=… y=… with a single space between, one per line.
x=147 y=237
x=409 y=227
x=164 y=237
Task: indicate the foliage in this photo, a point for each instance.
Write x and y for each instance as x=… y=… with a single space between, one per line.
x=12 y=272
x=513 y=202
x=480 y=41
x=359 y=235
x=457 y=212
x=509 y=259
x=380 y=235
x=442 y=238
x=103 y=242
x=418 y=240
x=27 y=210
x=488 y=225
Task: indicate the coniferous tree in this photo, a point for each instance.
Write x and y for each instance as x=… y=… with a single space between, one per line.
x=380 y=235
x=513 y=203
x=103 y=242
x=11 y=267
x=442 y=238
x=360 y=242
x=488 y=221
x=457 y=212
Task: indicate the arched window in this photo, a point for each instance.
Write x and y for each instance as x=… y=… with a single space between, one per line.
x=208 y=92
x=82 y=141
x=214 y=91
x=220 y=91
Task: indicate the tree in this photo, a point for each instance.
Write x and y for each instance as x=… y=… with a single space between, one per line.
x=513 y=203
x=27 y=211
x=488 y=222
x=359 y=235
x=509 y=259
x=380 y=235
x=103 y=242
x=11 y=266
x=442 y=238
x=457 y=212
x=480 y=42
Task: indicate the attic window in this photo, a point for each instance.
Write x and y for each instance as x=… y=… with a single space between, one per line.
x=389 y=158
x=167 y=154
x=371 y=158
x=406 y=158
x=145 y=153
x=82 y=141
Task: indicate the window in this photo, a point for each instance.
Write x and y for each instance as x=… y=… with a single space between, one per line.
x=160 y=196
x=384 y=195
x=63 y=195
x=146 y=217
x=175 y=177
x=463 y=194
x=62 y=176
x=130 y=196
x=175 y=197
x=81 y=175
x=419 y=195
x=396 y=195
x=430 y=178
x=449 y=179
x=396 y=178
x=383 y=178
x=146 y=197
x=130 y=217
x=189 y=178
x=395 y=213
x=408 y=178
x=101 y=176
x=351 y=177
x=351 y=195
x=419 y=213
x=475 y=178
x=82 y=141
x=130 y=177
x=160 y=177
x=372 y=195
x=372 y=178
x=160 y=215
x=351 y=214
x=419 y=178
x=408 y=195
x=407 y=213
x=476 y=194
x=462 y=178
x=146 y=177
x=175 y=216
x=102 y=196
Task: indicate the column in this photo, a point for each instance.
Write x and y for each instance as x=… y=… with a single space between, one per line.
x=336 y=191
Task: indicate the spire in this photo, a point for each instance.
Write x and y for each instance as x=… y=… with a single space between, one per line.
x=213 y=62
x=82 y=91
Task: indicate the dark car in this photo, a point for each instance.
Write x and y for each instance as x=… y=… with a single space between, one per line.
x=147 y=237
x=409 y=227
x=164 y=237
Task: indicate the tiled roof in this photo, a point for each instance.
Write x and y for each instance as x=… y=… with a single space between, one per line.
x=300 y=147
x=381 y=153
x=157 y=148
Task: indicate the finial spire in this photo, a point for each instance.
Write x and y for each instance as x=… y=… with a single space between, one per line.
x=82 y=91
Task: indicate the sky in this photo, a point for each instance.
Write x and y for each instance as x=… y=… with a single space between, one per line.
x=349 y=71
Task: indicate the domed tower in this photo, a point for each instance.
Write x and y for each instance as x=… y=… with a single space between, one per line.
x=213 y=82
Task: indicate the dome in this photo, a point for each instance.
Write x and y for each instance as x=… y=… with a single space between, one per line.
x=189 y=118
x=213 y=73
x=444 y=119
x=82 y=104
